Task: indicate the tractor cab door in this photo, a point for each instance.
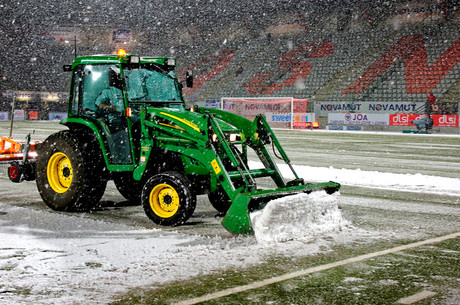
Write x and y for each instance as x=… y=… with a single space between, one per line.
x=98 y=97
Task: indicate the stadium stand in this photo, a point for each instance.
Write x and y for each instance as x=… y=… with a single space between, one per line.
x=378 y=65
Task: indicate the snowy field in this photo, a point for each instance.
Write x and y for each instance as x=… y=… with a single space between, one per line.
x=394 y=187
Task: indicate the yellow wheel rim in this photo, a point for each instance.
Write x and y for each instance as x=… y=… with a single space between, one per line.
x=59 y=172
x=164 y=200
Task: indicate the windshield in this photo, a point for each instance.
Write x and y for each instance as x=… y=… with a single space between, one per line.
x=150 y=84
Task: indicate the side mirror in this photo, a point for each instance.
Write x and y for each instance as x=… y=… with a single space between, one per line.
x=189 y=79
x=67 y=68
x=115 y=79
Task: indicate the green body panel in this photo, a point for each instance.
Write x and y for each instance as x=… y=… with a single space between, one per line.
x=211 y=145
x=71 y=122
x=232 y=119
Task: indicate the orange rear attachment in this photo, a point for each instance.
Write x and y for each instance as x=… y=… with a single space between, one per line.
x=9 y=146
x=12 y=150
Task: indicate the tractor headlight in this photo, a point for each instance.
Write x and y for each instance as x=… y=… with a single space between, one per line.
x=171 y=62
x=134 y=60
x=231 y=137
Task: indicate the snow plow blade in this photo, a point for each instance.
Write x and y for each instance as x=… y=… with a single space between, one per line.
x=237 y=219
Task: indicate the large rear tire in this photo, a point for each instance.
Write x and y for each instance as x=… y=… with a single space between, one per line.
x=167 y=199
x=69 y=176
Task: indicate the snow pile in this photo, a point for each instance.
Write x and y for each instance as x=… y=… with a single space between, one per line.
x=299 y=217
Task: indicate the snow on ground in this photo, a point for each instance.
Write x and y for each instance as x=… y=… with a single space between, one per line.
x=63 y=259
x=58 y=258
x=372 y=179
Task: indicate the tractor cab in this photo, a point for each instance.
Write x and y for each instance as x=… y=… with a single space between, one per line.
x=108 y=92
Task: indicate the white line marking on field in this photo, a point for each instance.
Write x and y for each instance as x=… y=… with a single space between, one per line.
x=300 y=273
x=417 y=297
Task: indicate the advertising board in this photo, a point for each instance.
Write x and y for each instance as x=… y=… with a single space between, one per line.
x=57 y=116
x=121 y=36
x=19 y=115
x=33 y=115
x=400 y=119
x=367 y=107
x=28 y=95
x=438 y=119
x=286 y=117
x=358 y=119
x=349 y=128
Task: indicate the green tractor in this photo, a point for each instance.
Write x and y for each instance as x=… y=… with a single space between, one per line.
x=127 y=121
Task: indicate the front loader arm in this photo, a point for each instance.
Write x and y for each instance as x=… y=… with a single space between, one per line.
x=258 y=134
x=265 y=134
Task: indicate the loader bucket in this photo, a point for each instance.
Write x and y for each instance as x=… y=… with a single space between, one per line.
x=237 y=219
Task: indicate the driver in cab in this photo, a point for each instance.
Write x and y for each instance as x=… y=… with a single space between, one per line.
x=110 y=99
x=110 y=102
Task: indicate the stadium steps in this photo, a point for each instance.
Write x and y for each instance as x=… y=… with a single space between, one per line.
x=452 y=94
x=228 y=82
x=329 y=76
x=340 y=80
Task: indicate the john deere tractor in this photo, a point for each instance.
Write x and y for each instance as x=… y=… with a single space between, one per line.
x=127 y=121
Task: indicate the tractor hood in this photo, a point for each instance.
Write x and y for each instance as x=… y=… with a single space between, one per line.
x=185 y=123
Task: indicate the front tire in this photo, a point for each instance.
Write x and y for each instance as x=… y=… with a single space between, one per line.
x=68 y=175
x=167 y=199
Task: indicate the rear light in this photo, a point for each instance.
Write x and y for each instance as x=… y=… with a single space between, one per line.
x=315 y=125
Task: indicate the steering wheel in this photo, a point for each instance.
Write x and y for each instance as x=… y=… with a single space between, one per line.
x=89 y=112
